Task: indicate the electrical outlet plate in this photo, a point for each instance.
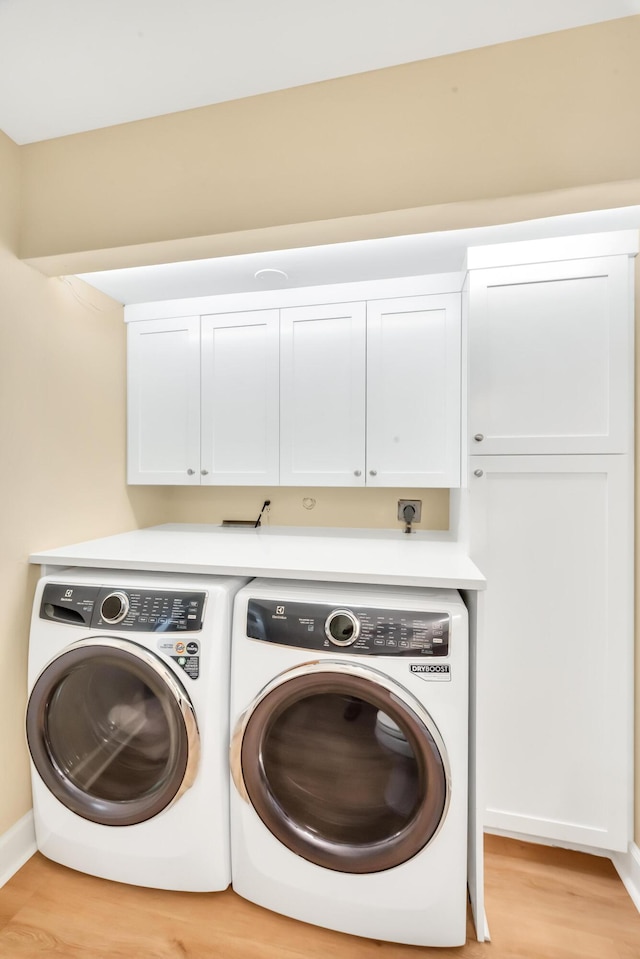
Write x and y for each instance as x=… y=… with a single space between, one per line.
x=417 y=505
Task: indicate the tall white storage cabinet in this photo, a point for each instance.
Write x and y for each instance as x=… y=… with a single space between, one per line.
x=550 y=420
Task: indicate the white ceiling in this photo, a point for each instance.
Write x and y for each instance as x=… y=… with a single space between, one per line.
x=341 y=262
x=68 y=66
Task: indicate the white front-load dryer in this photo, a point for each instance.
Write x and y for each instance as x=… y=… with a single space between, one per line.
x=349 y=710
x=128 y=725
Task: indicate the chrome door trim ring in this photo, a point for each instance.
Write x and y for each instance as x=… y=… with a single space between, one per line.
x=401 y=697
x=165 y=676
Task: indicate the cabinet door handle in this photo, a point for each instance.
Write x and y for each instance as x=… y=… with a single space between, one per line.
x=190 y=472
x=373 y=472
x=478 y=472
x=204 y=472
x=479 y=437
x=357 y=472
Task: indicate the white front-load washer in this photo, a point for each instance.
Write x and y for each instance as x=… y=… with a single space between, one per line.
x=128 y=725
x=349 y=710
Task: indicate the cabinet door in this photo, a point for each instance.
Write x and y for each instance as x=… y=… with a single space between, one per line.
x=550 y=358
x=163 y=380
x=240 y=398
x=552 y=536
x=322 y=395
x=413 y=391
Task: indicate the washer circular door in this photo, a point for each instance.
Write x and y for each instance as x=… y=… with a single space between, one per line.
x=343 y=766
x=112 y=732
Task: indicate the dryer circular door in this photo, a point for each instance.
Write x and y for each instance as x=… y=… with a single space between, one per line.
x=112 y=732
x=344 y=767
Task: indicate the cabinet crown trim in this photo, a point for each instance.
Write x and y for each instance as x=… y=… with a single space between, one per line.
x=427 y=285
x=522 y=252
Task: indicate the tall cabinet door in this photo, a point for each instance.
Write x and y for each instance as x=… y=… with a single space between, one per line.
x=322 y=395
x=413 y=391
x=240 y=398
x=551 y=534
x=550 y=358
x=163 y=383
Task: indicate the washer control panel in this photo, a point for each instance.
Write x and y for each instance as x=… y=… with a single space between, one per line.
x=132 y=610
x=358 y=629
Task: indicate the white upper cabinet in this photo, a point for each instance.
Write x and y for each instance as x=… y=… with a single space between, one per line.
x=394 y=364
x=240 y=398
x=360 y=384
x=322 y=395
x=413 y=391
x=550 y=357
x=364 y=391
x=203 y=400
x=164 y=401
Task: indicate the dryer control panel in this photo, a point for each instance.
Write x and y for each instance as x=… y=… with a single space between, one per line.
x=357 y=629
x=136 y=610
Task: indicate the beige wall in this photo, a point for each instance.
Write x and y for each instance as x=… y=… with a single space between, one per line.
x=532 y=116
x=62 y=416
x=538 y=127
x=291 y=506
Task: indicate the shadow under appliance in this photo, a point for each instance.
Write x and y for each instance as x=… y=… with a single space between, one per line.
x=349 y=711
x=128 y=725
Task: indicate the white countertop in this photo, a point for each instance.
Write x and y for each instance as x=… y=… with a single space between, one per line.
x=342 y=555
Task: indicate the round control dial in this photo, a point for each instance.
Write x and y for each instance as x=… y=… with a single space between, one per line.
x=342 y=627
x=114 y=607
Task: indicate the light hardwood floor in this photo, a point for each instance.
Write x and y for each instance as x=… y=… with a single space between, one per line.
x=542 y=904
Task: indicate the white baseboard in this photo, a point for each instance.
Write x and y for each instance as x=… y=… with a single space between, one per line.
x=16 y=846
x=628 y=866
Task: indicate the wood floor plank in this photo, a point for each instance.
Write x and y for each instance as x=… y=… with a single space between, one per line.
x=542 y=903
x=22 y=886
x=560 y=887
